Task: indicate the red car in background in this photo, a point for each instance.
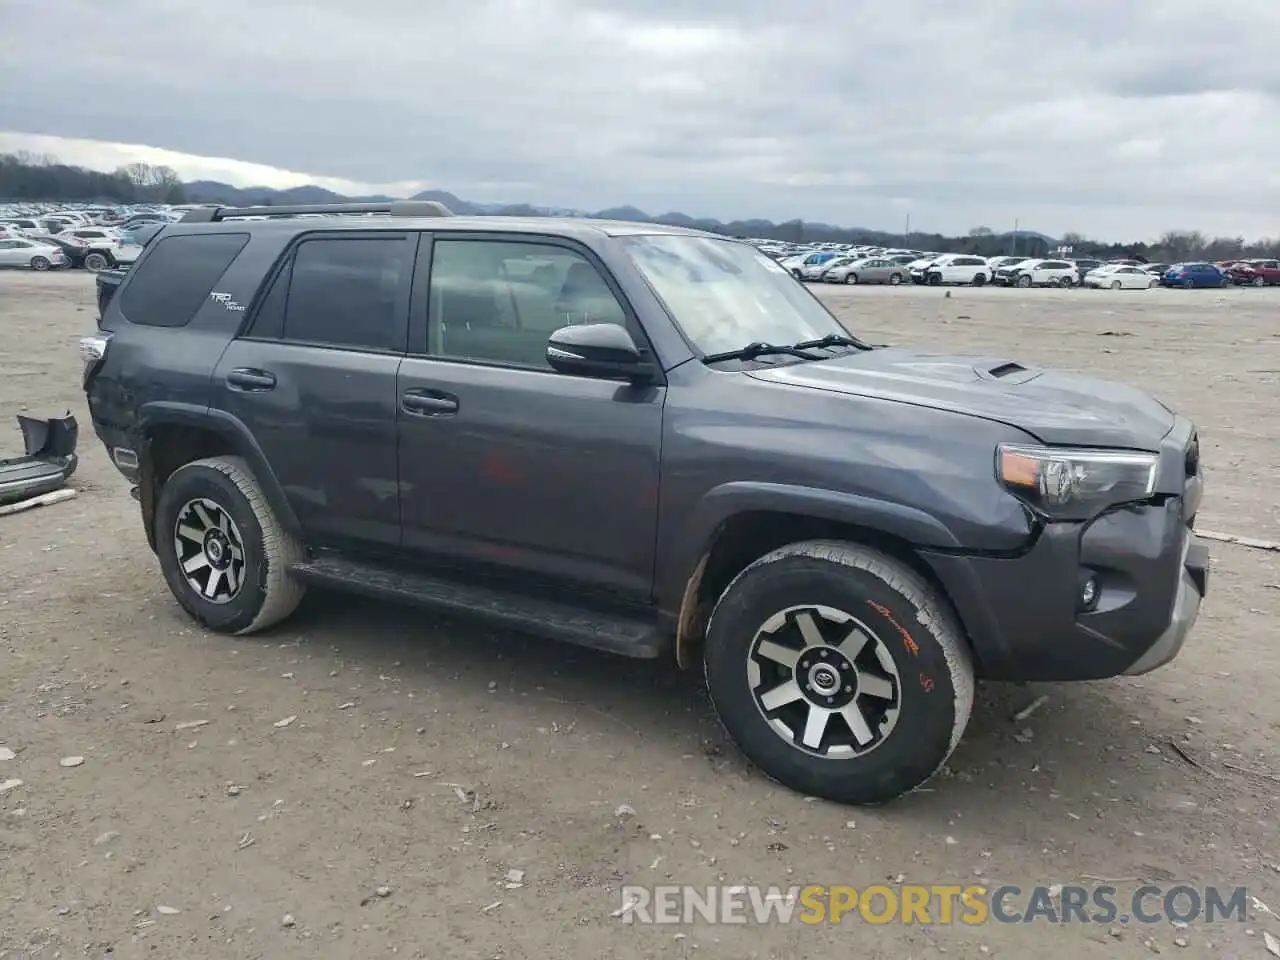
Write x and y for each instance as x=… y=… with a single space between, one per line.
x=1257 y=273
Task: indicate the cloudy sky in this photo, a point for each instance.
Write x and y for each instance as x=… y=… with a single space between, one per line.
x=1119 y=120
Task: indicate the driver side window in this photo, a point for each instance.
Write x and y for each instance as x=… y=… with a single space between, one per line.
x=498 y=301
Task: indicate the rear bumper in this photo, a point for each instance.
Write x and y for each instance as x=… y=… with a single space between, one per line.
x=49 y=462
x=1024 y=614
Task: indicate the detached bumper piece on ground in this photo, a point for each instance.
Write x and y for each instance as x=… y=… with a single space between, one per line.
x=49 y=462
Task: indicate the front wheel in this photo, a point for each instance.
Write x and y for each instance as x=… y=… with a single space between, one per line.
x=1116 y=284
x=979 y=279
x=850 y=278
x=40 y=263
x=223 y=552
x=933 y=279
x=96 y=262
x=1064 y=282
x=1259 y=282
x=895 y=279
x=839 y=671
x=1024 y=281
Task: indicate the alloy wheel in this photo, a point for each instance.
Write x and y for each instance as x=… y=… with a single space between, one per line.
x=210 y=550
x=824 y=682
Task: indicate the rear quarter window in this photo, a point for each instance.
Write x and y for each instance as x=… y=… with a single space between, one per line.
x=173 y=281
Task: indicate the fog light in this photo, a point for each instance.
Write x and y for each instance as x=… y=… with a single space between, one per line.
x=1088 y=592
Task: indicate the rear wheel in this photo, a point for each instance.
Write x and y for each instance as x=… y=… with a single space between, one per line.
x=839 y=671
x=895 y=279
x=224 y=554
x=1116 y=285
x=40 y=263
x=1024 y=280
x=1259 y=282
x=979 y=279
x=95 y=262
x=1064 y=282
x=933 y=279
x=850 y=277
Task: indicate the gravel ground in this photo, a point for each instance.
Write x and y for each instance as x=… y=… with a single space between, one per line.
x=423 y=760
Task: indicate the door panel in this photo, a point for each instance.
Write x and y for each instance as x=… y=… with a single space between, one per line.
x=551 y=474
x=505 y=463
x=328 y=429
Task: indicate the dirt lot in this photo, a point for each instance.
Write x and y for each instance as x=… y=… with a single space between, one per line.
x=242 y=820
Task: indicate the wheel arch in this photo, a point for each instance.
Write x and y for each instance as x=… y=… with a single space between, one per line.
x=174 y=434
x=758 y=521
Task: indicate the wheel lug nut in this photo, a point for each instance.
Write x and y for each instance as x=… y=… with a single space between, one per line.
x=831 y=699
x=822 y=653
x=848 y=689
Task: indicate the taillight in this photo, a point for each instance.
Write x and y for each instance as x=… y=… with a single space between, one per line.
x=93 y=350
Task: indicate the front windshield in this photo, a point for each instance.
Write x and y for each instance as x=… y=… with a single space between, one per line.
x=723 y=294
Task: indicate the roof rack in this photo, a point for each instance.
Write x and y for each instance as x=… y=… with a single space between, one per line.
x=394 y=208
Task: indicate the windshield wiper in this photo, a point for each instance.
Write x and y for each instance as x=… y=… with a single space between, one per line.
x=759 y=349
x=832 y=340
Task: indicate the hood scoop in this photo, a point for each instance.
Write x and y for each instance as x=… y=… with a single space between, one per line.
x=1008 y=371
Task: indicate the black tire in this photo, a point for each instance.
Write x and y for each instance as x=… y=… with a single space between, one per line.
x=1065 y=282
x=96 y=261
x=933 y=279
x=907 y=620
x=1024 y=280
x=851 y=278
x=1117 y=285
x=267 y=591
x=979 y=279
x=895 y=279
x=40 y=263
x=797 y=274
x=1259 y=282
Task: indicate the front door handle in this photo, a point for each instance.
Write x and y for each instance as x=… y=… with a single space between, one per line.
x=247 y=378
x=429 y=403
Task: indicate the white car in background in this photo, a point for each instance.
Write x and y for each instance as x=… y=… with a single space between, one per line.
x=958 y=268
x=1038 y=273
x=1120 y=276
x=30 y=252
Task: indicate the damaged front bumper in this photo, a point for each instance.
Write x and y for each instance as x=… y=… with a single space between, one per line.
x=49 y=462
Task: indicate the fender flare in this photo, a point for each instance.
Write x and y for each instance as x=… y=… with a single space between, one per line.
x=228 y=427
x=720 y=504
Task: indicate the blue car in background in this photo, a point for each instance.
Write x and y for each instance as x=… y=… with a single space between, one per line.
x=1194 y=275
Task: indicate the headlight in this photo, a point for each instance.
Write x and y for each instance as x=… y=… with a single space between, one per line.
x=1075 y=484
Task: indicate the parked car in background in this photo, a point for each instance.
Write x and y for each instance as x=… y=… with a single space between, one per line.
x=834 y=264
x=139 y=234
x=958 y=268
x=1084 y=266
x=1198 y=274
x=916 y=268
x=1037 y=273
x=995 y=263
x=1255 y=273
x=31 y=252
x=1120 y=277
x=868 y=270
x=813 y=266
x=1156 y=269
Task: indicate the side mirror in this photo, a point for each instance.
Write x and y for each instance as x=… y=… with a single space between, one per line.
x=603 y=350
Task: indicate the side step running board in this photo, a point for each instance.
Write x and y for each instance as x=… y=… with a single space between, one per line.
x=630 y=636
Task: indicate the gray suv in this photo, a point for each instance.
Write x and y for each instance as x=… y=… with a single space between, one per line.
x=651 y=441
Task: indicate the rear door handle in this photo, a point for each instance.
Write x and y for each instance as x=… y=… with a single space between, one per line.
x=247 y=378
x=429 y=403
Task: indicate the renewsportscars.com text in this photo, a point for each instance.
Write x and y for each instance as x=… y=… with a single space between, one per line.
x=932 y=904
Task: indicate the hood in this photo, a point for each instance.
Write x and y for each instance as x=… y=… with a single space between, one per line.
x=1055 y=407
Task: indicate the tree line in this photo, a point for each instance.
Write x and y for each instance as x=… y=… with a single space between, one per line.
x=26 y=176
x=36 y=177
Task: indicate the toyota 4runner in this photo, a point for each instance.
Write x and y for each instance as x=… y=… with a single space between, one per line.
x=647 y=440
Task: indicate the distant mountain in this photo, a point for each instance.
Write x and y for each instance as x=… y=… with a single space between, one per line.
x=796 y=231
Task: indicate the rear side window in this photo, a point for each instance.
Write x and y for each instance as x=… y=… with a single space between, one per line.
x=348 y=292
x=177 y=276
